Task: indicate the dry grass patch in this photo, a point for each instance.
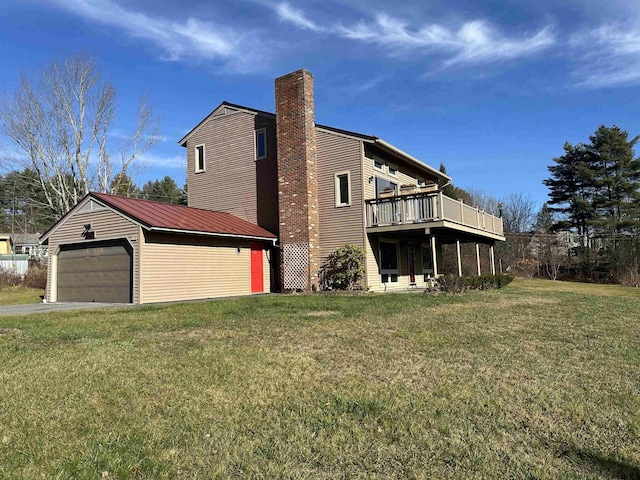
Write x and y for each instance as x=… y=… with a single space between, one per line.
x=20 y=296
x=518 y=382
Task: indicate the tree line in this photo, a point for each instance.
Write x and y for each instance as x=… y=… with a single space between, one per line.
x=594 y=193
x=24 y=207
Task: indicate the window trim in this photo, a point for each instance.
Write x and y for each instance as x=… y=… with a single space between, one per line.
x=336 y=184
x=389 y=168
x=255 y=143
x=196 y=158
x=374 y=161
x=420 y=181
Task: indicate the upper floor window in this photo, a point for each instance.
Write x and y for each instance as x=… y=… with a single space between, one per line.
x=420 y=182
x=378 y=165
x=261 y=144
x=393 y=170
x=384 y=185
x=343 y=189
x=199 y=159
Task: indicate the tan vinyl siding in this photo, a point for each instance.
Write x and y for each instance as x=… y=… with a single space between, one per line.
x=186 y=268
x=407 y=174
x=374 y=280
x=107 y=224
x=339 y=225
x=233 y=181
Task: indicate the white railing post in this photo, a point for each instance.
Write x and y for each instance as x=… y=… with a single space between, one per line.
x=461 y=211
x=441 y=206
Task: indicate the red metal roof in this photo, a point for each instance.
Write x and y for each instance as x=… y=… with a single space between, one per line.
x=156 y=215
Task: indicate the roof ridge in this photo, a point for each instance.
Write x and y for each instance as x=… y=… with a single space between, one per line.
x=164 y=204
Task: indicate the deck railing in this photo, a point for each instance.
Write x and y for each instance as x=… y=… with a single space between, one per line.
x=429 y=207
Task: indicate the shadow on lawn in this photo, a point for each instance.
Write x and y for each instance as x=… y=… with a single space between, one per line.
x=609 y=467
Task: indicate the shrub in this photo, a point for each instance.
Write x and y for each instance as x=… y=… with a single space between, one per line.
x=525 y=268
x=454 y=284
x=36 y=276
x=8 y=278
x=344 y=268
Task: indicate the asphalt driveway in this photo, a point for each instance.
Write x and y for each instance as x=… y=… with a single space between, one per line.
x=54 y=307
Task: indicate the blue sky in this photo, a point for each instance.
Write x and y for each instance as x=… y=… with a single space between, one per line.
x=490 y=88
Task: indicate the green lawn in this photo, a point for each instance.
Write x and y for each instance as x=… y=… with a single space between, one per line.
x=19 y=296
x=538 y=380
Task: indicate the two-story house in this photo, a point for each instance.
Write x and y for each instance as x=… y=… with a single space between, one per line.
x=270 y=197
x=317 y=188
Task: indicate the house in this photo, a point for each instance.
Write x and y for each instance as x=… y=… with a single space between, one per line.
x=270 y=197
x=28 y=244
x=318 y=187
x=124 y=250
x=6 y=245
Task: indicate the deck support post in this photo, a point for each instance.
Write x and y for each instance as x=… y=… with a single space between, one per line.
x=478 y=257
x=493 y=260
x=434 y=256
x=459 y=259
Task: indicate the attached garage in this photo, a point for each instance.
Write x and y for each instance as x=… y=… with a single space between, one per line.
x=99 y=272
x=122 y=250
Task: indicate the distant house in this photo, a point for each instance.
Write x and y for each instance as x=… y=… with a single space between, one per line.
x=6 y=245
x=28 y=244
x=270 y=197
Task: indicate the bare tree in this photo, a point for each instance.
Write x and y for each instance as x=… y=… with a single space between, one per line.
x=519 y=213
x=484 y=200
x=59 y=125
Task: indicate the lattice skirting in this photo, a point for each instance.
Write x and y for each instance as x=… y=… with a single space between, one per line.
x=295 y=264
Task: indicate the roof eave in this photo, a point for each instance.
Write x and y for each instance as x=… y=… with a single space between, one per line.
x=415 y=161
x=211 y=234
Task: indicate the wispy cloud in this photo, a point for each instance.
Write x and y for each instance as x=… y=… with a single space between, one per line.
x=177 y=39
x=177 y=162
x=613 y=55
x=474 y=41
x=287 y=13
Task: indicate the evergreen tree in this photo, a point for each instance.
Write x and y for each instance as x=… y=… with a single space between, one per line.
x=616 y=181
x=596 y=189
x=165 y=190
x=123 y=185
x=571 y=190
x=456 y=193
x=23 y=206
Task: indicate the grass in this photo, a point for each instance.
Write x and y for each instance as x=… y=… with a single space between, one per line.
x=20 y=295
x=538 y=380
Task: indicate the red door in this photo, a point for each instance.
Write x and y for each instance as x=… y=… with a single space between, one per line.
x=257 y=273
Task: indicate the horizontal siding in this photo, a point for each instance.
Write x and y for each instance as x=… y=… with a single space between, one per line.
x=233 y=181
x=183 y=268
x=374 y=280
x=106 y=224
x=339 y=225
x=407 y=173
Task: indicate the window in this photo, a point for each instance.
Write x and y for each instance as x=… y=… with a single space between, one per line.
x=382 y=184
x=393 y=170
x=343 y=189
x=378 y=165
x=389 y=262
x=420 y=182
x=199 y=159
x=261 y=144
x=388 y=257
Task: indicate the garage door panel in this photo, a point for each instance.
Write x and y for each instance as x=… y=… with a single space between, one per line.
x=98 y=273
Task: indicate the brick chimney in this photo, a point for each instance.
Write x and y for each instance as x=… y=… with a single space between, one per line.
x=297 y=181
